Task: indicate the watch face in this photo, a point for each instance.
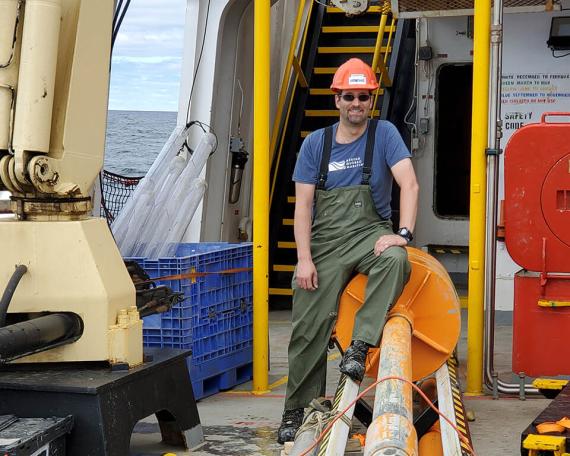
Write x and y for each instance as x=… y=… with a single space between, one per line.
x=406 y=234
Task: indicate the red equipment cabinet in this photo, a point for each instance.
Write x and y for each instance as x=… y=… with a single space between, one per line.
x=537 y=196
x=540 y=334
x=537 y=236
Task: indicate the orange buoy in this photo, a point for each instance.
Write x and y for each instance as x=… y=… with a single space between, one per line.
x=429 y=302
x=430 y=443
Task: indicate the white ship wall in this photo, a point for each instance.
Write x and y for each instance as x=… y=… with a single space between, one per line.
x=525 y=55
x=227 y=63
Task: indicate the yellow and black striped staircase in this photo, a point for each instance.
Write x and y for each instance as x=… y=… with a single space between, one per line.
x=330 y=39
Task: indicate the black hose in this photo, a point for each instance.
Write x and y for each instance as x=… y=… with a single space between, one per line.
x=38 y=334
x=120 y=15
x=9 y=292
x=116 y=14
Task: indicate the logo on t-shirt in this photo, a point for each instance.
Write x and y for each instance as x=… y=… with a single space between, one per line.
x=349 y=163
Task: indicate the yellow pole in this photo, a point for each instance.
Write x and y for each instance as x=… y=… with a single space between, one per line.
x=479 y=129
x=286 y=76
x=261 y=70
x=376 y=57
x=379 y=39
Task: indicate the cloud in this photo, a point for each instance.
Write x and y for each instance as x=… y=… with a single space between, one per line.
x=150 y=59
x=147 y=57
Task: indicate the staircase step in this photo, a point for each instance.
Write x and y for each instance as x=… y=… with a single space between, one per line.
x=304 y=134
x=321 y=70
x=350 y=49
x=281 y=291
x=330 y=92
x=321 y=112
x=291 y=199
x=371 y=9
x=283 y=267
x=286 y=245
x=328 y=70
x=288 y=221
x=321 y=92
x=356 y=29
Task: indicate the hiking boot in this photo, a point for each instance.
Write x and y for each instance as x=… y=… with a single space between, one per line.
x=354 y=359
x=290 y=423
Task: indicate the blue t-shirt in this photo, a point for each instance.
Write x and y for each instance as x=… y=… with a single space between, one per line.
x=347 y=160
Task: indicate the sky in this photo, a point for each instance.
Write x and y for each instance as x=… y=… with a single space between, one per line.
x=147 y=57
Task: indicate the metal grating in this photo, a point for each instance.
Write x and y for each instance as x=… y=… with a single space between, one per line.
x=420 y=8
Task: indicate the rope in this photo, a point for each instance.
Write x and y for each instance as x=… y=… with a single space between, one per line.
x=415 y=387
x=315 y=420
x=194 y=275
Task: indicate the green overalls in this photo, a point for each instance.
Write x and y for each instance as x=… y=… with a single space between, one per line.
x=345 y=228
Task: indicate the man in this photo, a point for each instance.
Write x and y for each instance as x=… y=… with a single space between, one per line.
x=343 y=183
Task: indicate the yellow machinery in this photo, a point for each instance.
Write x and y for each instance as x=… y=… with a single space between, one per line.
x=70 y=297
x=54 y=78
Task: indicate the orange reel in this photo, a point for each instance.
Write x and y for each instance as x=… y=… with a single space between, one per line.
x=429 y=301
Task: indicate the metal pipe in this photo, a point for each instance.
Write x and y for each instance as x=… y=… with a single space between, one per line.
x=9 y=291
x=392 y=432
x=479 y=138
x=491 y=378
x=492 y=186
x=38 y=334
x=261 y=96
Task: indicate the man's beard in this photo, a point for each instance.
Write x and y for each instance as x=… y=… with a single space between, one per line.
x=358 y=118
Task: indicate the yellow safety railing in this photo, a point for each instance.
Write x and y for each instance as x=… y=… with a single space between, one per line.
x=379 y=60
x=290 y=80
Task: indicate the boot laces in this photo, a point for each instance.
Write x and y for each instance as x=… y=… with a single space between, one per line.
x=293 y=416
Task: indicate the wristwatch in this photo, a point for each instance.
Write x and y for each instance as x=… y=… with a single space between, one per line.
x=406 y=234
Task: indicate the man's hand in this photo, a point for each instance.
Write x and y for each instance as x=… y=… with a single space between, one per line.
x=388 y=240
x=307 y=275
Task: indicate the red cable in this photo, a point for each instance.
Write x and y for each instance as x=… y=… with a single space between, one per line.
x=393 y=377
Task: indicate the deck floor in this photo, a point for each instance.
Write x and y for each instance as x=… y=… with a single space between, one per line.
x=239 y=423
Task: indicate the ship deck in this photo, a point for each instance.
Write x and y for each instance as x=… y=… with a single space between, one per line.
x=237 y=422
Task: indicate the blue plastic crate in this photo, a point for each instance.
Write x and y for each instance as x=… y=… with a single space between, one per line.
x=216 y=316
x=213 y=376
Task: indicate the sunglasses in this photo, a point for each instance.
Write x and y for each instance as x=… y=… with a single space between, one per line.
x=350 y=97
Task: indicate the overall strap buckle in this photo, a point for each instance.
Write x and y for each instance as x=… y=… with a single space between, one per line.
x=369 y=153
x=326 y=156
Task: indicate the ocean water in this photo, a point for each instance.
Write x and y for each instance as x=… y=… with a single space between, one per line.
x=134 y=139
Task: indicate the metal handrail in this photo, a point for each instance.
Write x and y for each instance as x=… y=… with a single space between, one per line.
x=379 y=39
x=288 y=76
x=378 y=51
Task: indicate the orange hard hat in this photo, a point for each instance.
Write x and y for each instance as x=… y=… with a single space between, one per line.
x=354 y=74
